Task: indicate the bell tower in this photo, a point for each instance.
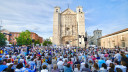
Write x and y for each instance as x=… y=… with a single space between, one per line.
x=56 y=26
x=79 y=9
x=57 y=9
x=81 y=25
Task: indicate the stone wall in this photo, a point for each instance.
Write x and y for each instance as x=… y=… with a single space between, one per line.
x=116 y=40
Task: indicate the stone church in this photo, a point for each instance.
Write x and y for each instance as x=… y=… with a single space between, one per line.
x=69 y=27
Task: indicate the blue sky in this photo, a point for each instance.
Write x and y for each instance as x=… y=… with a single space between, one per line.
x=37 y=15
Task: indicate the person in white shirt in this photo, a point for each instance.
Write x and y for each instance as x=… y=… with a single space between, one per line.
x=9 y=62
x=111 y=67
x=49 y=66
x=123 y=66
x=28 y=69
x=14 y=56
x=44 y=69
x=117 y=65
x=117 y=56
x=103 y=68
x=32 y=63
x=60 y=64
x=108 y=61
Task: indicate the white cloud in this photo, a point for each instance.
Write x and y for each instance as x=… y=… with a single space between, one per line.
x=32 y=15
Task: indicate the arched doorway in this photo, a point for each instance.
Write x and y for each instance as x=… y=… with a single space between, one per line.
x=69 y=40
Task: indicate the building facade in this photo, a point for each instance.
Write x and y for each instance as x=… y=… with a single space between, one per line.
x=116 y=39
x=93 y=40
x=51 y=39
x=14 y=35
x=67 y=26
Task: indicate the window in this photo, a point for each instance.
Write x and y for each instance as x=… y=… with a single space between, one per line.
x=56 y=10
x=67 y=29
x=79 y=10
x=123 y=44
x=92 y=43
x=109 y=44
x=122 y=38
x=113 y=39
x=113 y=44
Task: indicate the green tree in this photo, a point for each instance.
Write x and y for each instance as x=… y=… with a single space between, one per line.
x=2 y=40
x=24 y=38
x=46 y=43
x=37 y=42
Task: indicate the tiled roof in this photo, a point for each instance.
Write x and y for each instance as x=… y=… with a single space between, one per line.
x=115 y=33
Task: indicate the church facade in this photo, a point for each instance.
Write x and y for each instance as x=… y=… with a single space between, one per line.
x=69 y=27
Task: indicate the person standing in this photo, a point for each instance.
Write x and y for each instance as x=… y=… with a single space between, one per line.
x=3 y=66
x=117 y=56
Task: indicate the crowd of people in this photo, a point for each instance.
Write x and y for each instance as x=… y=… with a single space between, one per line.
x=53 y=59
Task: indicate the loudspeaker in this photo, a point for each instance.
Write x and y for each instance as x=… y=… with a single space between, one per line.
x=79 y=36
x=85 y=38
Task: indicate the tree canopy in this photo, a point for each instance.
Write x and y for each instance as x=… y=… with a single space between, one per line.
x=24 y=38
x=2 y=40
x=46 y=43
x=37 y=42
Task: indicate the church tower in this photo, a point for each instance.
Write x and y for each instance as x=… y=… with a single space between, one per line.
x=81 y=25
x=56 y=26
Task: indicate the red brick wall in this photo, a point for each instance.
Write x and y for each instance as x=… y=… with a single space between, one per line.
x=12 y=38
x=40 y=39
